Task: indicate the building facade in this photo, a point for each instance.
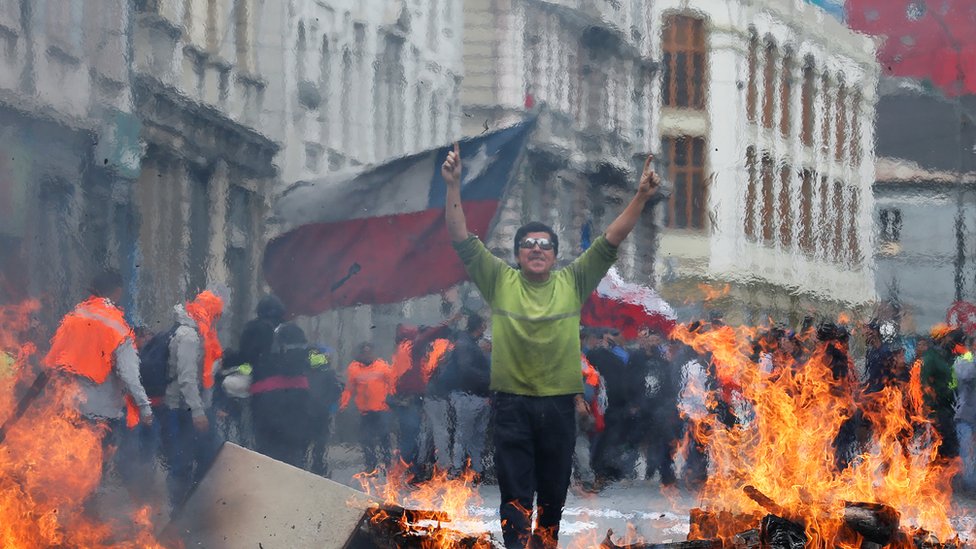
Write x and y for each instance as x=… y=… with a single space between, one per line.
x=69 y=165
x=766 y=124
x=207 y=168
x=135 y=144
x=353 y=83
x=586 y=69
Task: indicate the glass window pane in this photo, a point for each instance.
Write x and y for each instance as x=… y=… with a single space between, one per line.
x=680 y=201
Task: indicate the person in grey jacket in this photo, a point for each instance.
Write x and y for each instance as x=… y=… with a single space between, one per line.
x=190 y=440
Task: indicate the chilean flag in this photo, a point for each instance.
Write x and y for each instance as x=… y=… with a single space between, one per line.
x=379 y=236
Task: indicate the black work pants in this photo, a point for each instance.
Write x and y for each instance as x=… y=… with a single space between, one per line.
x=534 y=439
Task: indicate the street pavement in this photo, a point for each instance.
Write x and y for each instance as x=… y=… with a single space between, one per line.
x=635 y=510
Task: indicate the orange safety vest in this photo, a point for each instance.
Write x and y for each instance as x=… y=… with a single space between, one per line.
x=205 y=310
x=85 y=344
x=438 y=348
x=368 y=386
x=590 y=376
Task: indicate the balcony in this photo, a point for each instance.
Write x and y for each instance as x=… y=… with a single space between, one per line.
x=612 y=15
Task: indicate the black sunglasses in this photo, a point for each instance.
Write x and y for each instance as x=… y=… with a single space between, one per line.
x=529 y=243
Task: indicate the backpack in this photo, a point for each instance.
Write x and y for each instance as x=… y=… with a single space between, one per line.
x=154 y=363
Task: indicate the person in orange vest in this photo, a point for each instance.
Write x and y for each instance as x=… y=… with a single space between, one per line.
x=410 y=374
x=95 y=344
x=189 y=434
x=438 y=427
x=96 y=347
x=370 y=383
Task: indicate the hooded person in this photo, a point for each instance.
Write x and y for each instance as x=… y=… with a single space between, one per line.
x=233 y=393
x=190 y=440
x=95 y=347
x=324 y=389
x=280 y=397
x=95 y=343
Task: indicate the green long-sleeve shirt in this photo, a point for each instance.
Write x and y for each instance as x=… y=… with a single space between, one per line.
x=535 y=325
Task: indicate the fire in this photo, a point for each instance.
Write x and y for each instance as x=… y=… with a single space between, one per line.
x=710 y=293
x=51 y=459
x=782 y=453
x=421 y=509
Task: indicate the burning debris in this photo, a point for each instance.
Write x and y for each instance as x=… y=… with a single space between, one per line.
x=247 y=499
x=391 y=525
x=51 y=459
x=395 y=526
x=775 y=479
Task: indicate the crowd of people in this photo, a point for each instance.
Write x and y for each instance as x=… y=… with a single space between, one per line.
x=172 y=397
x=175 y=395
x=538 y=403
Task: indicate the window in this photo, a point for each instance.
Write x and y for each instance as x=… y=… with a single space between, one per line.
x=389 y=98
x=785 y=205
x=856 y=137
x=313 y=157
x=242 y=34
x=750 y=218
x=837 y=244
x=684 y=62
x=213 y=30
x=300 y=53
x=785 y=93
x=767 y=199
x=325 y=85
x=807 y=100
x=825 y=115
x=806 y=212
x=346 y=99
x=841 y=122
x=753 y=91
x=853 y=242
x=890 y=219
x=769 y=83
x=686 y=168
x=826 y=218
x=63 y=26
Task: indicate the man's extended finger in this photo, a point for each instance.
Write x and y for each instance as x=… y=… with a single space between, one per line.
x=457 y=148
x=647 y=162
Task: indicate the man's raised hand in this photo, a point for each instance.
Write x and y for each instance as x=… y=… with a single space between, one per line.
x=451 y=169
x=649 y=181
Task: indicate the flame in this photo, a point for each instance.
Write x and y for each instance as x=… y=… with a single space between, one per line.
x=51 y=459
x=783 y=445
x=428 y=504
x=710 y=293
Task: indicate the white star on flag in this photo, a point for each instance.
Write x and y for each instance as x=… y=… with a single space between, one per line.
x=476 y=166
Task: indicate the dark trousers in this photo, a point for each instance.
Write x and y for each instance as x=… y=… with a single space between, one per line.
x=374 y=428
x=271 y=441
x=534 y=440
x=188 y=453
x=945 y=424
x=614 y=453
x=321 y=433
x=663 y=427
x=136 y=456
x=410 y=419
